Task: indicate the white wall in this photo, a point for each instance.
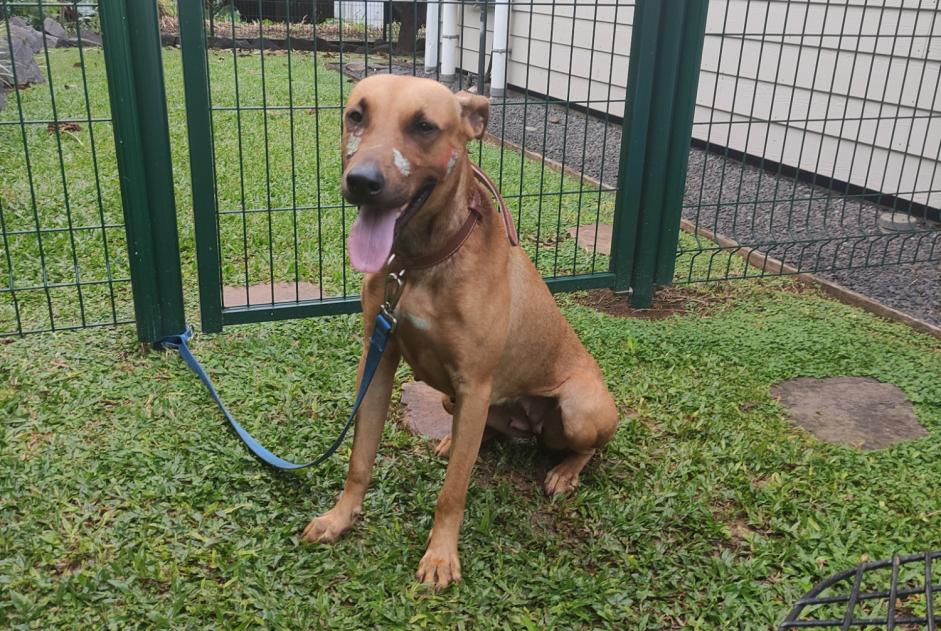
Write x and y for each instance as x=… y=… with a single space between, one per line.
x=848 y=89
x=549 y=44
x=369 y=12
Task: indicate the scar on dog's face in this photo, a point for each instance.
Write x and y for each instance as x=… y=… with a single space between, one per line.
x=402 y=136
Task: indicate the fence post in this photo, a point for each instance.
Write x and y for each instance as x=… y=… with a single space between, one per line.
x=191 y=20
x=142 y=143
x=666 y=50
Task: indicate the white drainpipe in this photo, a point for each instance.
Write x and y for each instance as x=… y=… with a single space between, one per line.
x=499 y=55
x=431 y=36
x=449 y=37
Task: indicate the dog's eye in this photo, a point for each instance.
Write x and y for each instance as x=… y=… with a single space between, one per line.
x=355 y=117
x=425 y=127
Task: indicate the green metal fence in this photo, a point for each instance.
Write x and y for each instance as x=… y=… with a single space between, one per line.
x=64 y=257
x=589 y=141
x=815 y=122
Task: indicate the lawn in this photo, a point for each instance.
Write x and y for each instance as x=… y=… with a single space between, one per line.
x=127 y=502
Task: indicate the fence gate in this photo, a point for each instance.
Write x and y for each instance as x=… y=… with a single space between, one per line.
x=264 y=100
x=815 y=145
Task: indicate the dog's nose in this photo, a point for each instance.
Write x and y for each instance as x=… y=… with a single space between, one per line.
x=364 y=181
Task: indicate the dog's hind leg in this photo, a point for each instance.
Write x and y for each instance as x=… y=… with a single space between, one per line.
x=585 y=419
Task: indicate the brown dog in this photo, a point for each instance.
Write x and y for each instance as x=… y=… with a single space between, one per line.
x=479 y=325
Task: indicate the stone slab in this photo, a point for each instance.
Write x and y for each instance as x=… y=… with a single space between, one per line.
x=855 y=411
x=260 y=294
x=587 y=234
x=424 y=415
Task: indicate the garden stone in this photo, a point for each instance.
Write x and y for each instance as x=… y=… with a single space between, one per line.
x=28 y=35
x=89 y=39
x=591 y=236
x=54 y=28
x=853 y=411
x=260 y=293
x=17 y=20
x=27 y=70
x=890 y=222
x=424 y=415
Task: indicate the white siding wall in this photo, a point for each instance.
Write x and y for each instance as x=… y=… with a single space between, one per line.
x=550 y=44
x=847 y=88
x=368 y=12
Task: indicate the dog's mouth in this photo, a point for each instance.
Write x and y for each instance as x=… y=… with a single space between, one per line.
x=375 y=229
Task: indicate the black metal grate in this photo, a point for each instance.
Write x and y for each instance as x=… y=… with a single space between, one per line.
x=897 y=593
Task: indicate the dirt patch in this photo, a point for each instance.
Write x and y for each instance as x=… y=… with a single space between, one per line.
x=667 y=302
x=63 y=127
x=854 y=411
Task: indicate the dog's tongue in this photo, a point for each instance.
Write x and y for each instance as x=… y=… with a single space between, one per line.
x=371 y=238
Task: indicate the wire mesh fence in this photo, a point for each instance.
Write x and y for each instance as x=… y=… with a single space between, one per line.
x=816 y=142
x=277 y=88
x=64 y=255
x=816 y=139
x=898 y=593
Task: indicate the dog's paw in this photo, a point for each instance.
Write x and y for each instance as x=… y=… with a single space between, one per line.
x=561 y=479
x=439 y=568
x=443 y=448
x=327 y=528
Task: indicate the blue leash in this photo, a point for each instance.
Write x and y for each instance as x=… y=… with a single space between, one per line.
x=382 y=332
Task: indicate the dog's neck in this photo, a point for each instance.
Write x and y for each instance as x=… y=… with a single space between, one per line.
x=436 y=223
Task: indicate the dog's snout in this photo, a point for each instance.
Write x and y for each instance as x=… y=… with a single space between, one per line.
x=364 y=181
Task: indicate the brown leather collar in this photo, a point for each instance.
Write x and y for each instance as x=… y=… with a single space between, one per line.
x=501 y=204
x=474 y=216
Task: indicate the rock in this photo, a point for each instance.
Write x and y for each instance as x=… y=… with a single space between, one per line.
x=17 y=20
x=54 y=28
x=28 y=34
x=89 y=38
x=27 y=70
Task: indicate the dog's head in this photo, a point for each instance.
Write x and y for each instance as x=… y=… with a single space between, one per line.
x=404 y=139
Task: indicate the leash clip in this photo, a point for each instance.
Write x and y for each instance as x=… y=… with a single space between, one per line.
x=395 y=283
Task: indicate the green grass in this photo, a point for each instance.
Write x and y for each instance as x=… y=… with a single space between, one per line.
x=127 y=502
x=125 y=499
x=265 y=159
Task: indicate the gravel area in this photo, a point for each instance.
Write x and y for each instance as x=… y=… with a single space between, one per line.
x=834 y=236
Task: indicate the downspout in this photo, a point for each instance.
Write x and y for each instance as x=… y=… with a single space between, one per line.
x=499 y=54
x=449 y=37
x=431 y=36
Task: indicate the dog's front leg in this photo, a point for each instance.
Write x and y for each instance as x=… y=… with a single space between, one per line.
x=441 y=564
x=369 y=422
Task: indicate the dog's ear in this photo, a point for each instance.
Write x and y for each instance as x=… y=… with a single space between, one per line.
x=475 y=111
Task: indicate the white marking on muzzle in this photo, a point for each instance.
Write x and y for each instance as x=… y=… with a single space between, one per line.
x=352 y=145
x=401 y=163
x=452 y=161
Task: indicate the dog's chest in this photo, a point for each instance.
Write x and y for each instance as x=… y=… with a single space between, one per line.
x=426 y=346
